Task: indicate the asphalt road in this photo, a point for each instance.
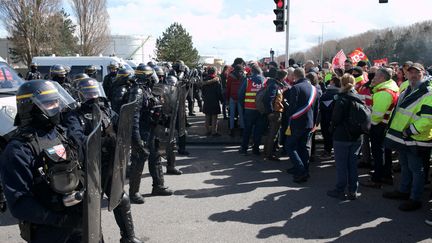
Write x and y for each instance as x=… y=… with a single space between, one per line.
x=227 y=197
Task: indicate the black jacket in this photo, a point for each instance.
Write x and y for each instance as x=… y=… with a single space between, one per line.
x=340 y=113
x=212 y=96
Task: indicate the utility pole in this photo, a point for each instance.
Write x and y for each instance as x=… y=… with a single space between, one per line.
x=287 y=33
x=322 y=37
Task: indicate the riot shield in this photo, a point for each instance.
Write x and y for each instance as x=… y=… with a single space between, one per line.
x=122 y=154
x=182 y=91
x=170 y=156
x=93 y=188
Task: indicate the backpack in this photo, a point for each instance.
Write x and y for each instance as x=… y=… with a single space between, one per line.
x=260 y=99
x=359 y=117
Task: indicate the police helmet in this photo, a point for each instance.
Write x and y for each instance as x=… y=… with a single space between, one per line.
x=57 y=71
x=89 y=89
x=123 y=76
x=33 y=65
x=41 y=100
x=179 y=66
x=113 y=67
x=80 y=76
x=90 y=70
x=171 y=80
x=143 y=71
x=151 y=64
x=159 y=72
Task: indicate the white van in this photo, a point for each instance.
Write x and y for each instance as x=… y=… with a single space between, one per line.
x=78 y=64
x=9 y=84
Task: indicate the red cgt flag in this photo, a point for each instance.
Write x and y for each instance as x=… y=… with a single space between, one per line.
x=358 y=55
x=339 y=59
x=381 y=62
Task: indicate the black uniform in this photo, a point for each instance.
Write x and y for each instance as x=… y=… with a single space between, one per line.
x=180 y=75
x=145 y=120
x=79 y=124
x=31 y=199
x=33 y=74
x=108 y=83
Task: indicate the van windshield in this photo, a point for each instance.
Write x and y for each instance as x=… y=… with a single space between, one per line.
x=9 y=79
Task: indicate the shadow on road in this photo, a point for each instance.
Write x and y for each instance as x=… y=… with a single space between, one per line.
x=302 y=211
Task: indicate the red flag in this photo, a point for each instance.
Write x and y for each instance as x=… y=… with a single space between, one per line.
x=381 y=62
x=339 y=59
x=358 y=55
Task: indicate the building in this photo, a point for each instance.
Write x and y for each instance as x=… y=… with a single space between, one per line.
x=212 y=61
x=140 y=49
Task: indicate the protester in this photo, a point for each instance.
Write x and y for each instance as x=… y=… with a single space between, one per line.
x=385 y=93
x=274 y=103
x=233 y=84
x=212 y=96
x=223 y=78
x=345 y=143
x=410 y=132
x=326 y=110
x=348 y=65
x=254 y=120
x=301 y=115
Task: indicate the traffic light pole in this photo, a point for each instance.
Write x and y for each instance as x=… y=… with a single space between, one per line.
x=287 y=33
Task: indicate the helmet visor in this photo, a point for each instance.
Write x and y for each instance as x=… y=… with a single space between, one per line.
x=53 y=100
x=92 y=90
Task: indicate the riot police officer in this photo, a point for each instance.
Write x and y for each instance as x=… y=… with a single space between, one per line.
x=58 y=74
x=33 y=73
x=91 y=92
x=110 y=78
x=120 y=88
x=160 y=74
x=144 y=140
x=40 y=167
x=90 y=70
x=178 y=71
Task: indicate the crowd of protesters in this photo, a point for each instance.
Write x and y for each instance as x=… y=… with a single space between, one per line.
x=296 y=101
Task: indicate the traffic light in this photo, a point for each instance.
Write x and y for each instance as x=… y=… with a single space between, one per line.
x=280 y=15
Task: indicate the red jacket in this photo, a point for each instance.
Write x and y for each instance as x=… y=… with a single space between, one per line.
x=233 y=85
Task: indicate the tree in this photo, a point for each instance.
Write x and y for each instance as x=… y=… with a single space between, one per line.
x=29 y=26
x=176 y=44
x=67 y=43
x=93 y=21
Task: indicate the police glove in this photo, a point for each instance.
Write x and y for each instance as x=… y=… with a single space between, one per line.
x=70 y=221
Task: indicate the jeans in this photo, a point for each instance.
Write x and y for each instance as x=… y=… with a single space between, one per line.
x=346 y=165
x=382 y=156
x=274 y=120
x=412 y=178
x=296 y=147
x=233 y=105
x=254 y=122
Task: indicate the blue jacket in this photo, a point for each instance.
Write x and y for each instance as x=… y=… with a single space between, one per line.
x=298 y=97
x=256 y=78
x=272 y=87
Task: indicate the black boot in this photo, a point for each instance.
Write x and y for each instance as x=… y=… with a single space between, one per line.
x=161 y=191
x=123 y=217
x=173 y=171
x=136 y=198
x=138 y=159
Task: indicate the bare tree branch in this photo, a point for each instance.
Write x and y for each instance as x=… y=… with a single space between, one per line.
x=93 y=21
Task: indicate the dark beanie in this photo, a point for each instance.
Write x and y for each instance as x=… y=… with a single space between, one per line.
x=358 y=69
x=238 y=60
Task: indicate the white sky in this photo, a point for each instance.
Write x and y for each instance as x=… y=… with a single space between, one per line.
x=229 y=28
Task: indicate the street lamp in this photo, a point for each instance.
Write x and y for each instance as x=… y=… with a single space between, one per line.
x=322 y=37
x=271 y=54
